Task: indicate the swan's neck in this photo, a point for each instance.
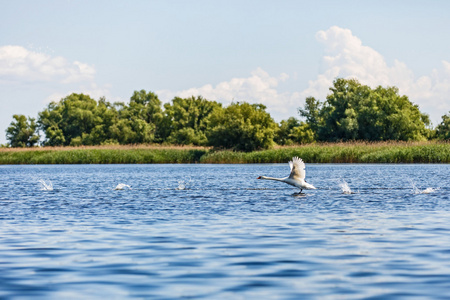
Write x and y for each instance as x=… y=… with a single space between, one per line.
x=272 y=178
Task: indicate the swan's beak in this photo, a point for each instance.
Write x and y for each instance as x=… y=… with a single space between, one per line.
x=259 y=177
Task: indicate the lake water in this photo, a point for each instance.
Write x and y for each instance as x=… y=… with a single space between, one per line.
x=215 y=232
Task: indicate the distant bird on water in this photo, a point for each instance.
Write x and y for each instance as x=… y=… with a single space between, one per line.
x=297 y=176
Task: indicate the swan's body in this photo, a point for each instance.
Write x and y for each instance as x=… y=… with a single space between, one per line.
x=297 y=176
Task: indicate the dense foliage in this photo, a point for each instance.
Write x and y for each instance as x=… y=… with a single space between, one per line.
x=22 y=132
x=351 y=112
x=443 y=129
x=185 y=121
x=242 y=127
x=292 y=131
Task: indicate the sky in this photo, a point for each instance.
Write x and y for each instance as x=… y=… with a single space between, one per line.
x=272 y=52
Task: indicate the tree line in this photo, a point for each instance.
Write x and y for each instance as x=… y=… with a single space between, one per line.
x=350 y=112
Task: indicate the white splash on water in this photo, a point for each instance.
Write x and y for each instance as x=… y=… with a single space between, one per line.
x=344 y=187
x=429 y=190
x=417 y=191
x=184 y=184
x=122 y=186
x=46 y=186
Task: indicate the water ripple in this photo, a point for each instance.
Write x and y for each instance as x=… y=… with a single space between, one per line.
x=228 y=237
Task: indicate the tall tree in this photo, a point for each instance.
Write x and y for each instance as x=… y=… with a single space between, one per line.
x=353 y=111
x=311 y=112
x=185 y=120
x=443 y=129
x=292 y=131
x=241 y=126
x=105 y=116
x=139 y=121
x=22 y=132
x=65 y=122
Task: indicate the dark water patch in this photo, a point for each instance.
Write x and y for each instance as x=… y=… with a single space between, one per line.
x=253 y=264
x=287 y=273
x=253 y=285
x=363 y=274
x=207 y=275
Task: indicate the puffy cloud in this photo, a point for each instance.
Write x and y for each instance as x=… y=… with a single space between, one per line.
x=260 y=87
x=17 y=64
x=93 y=90
x=347 y=57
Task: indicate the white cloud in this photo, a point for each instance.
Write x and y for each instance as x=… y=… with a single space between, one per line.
x=17 y=64
x=260 y=87
x=93 y=90
x=347 y=57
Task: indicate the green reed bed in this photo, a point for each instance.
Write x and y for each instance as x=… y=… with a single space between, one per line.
x=427 y=152
x=341 y=153
x=101 y=156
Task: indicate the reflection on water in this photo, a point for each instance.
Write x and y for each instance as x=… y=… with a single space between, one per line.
x=213 y=232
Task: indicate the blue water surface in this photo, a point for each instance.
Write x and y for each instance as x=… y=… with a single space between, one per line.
x=215 y=232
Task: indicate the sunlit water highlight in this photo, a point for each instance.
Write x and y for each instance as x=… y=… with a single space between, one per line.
x=215 y=232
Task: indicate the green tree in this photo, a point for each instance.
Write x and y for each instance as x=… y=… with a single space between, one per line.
x=292 y=131
x=339 y=111
x=138 y=122
x=284 y=131
x=312 y=113
x=443 y=129
x=22 y=132
x=105 y=116
x=353 y=111
x=67 y=120
x=146 y=106
x=78 y=120
x=185 y=120
x=242 y=127
x=302 y=134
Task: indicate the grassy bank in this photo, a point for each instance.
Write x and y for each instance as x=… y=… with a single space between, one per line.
x=389 y=152
x=102 y=155
x=426 y=152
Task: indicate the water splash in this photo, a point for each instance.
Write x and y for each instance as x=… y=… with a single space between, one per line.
x=46 y=186
x=429 y=190
x=184 y=184
x=122 y=186
x=417 y=191
x=344 y=187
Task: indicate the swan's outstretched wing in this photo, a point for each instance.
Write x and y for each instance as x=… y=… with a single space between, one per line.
x=297 y=168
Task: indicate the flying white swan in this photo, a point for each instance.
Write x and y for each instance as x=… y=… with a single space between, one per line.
x=297 y=176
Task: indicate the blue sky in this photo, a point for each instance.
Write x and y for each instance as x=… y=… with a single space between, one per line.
x=271 y=52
